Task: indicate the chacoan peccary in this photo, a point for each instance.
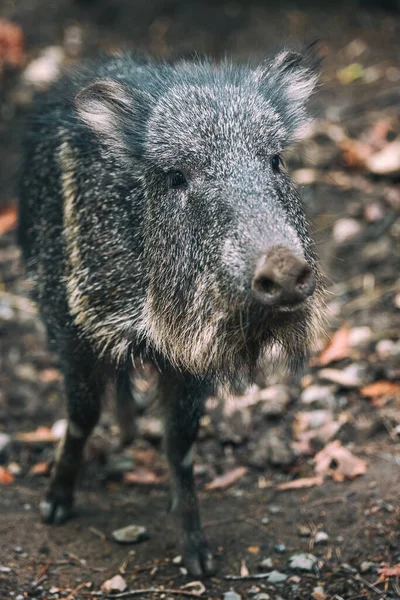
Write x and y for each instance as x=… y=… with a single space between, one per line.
x=158 y=224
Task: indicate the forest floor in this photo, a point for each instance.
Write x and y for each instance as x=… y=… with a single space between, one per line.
x=298 y=481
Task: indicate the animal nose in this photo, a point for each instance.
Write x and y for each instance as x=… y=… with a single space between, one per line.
x=282 y=280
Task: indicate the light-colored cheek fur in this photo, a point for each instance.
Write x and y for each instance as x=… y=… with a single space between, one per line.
x=191 y=341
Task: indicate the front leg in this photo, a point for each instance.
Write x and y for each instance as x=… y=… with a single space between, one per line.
x=182 y=399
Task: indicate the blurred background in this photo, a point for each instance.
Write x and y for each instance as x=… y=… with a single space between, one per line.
x=308 y=470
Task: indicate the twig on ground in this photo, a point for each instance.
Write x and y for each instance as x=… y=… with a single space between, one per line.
x=131 y=593
x=77 y=589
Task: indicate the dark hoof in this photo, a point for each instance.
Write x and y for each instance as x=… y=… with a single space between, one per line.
x=197 y=557
x=56 y=509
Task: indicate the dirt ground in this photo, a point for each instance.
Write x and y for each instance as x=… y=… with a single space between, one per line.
x=275 y=435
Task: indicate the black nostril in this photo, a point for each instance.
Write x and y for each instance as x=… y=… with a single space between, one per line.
x=267 y=286
x=305 y=282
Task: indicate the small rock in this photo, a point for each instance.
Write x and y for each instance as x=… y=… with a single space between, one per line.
x=280 y=548
x=262 y=596
x=304 y=531
x=150 y=428
x=387 y=348
x=20 y=597
x=276 y=577
x=46 y=68
x=18 y=550
x=5 y=569
x=231 y=595
x=59 y=428
x=318 y=593
x=131 y=534
x=265 y=520
x=5 y=441
x=321 y=394
x=303 y=562
x=345 y=229
x=280 y=452
x=266 y=563
x=350 y=377
x=115 y=584
x=177 y=560
x=294 y=579
x=321 y=537
x=366 y=566
x=275 y=400
x=271 y=449
x=359 y=336
x=274 y=509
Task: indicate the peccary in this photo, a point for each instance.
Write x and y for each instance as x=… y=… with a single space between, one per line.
x=158 y=224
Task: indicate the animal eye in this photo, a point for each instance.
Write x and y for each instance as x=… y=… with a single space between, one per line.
x=276 y=162
x=176 y=179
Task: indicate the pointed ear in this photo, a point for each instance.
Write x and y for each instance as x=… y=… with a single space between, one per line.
x=289 y=80
x=108 y=108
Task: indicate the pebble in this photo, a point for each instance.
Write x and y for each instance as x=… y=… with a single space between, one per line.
x=304 y=531
x=5 y=569
x=323 y=394
x=276 y=577
x=44 y=69
x=366 y=566
x=59 y=428
x=115 y=584
x=280 y=548
x=275 y=398
x=266 y=563
x=321 y=537
x=304 y=562
x=231 y=595
x=358 y=336
x=387 y=348
x=177 y=560
x=271 y=449
x=280 y=453
x=345 y=229
x=318 y=593
x=131 y=534
x=274 y=509
x=5 y=441
x=352 y=376
x=262 y=596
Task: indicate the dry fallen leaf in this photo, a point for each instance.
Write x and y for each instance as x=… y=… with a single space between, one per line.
x=41 y=434
x=244 y=571
x=338 y=348
x=115 y=584
x=386 y=572
x=143 y=476
x=304 y=482
x=5 y=476
x=8 y=217
x=380 y=389
x=11 y=44
x=346 y=465
x=49 y=375
x=386 y=161
x=41 y=468
x=227 y=479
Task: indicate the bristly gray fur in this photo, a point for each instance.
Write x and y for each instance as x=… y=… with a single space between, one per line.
x=135 y=266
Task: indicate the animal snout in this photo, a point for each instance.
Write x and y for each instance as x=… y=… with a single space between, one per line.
x=282 y=280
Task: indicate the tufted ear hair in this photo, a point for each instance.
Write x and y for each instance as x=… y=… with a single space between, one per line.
x=288 y=80
x=115 y=113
